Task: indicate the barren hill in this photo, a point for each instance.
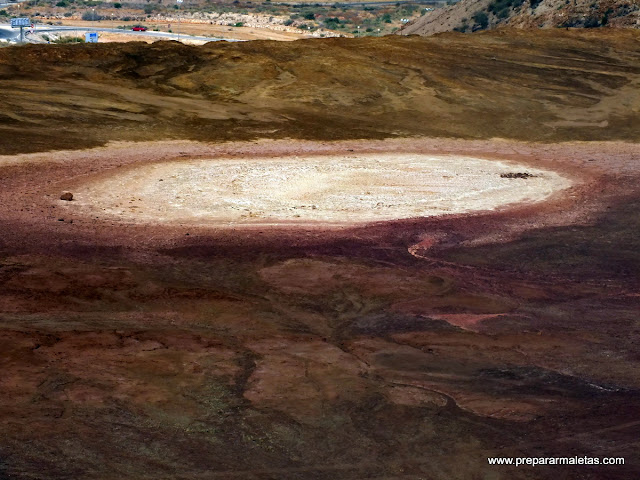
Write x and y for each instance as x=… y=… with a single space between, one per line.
x=542 y=86
x=474 y=15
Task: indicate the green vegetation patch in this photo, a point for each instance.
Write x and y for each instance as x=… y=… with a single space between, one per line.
x=481 y=19
x=501 y=8
x=69 y=40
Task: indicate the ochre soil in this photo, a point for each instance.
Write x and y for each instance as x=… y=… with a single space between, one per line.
x=548 y=85
x=405 y=349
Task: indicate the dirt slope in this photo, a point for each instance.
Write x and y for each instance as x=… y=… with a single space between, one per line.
x=473 y=15
x=551 y=85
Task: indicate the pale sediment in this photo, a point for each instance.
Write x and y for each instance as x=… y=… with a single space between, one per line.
x=335 y=189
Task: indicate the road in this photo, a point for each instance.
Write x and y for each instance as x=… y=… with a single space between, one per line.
x=8 y=4
x=8 y=33
x=5 y=32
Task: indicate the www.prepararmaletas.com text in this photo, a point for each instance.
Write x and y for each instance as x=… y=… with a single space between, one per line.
x=534 y=461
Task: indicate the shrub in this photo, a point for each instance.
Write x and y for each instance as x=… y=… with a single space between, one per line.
x=501 y=8
x=309 y=16
x=591 y=22
x=69 y=40
x=570 y=23
x=481 y=19
x=238 y=24
x=117 y=5
x=332 y=22
x=91 y=16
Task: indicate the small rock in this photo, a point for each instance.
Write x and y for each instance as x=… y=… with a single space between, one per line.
x=68 y=196
x=523 y=175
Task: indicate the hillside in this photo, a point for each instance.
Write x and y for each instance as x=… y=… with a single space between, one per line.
x=473 y=15
x=328 y=89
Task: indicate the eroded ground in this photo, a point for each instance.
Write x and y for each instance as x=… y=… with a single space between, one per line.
x=548 y=85
x=410 y=348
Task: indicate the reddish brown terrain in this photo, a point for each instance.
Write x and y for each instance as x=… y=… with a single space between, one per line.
x=412 y=348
